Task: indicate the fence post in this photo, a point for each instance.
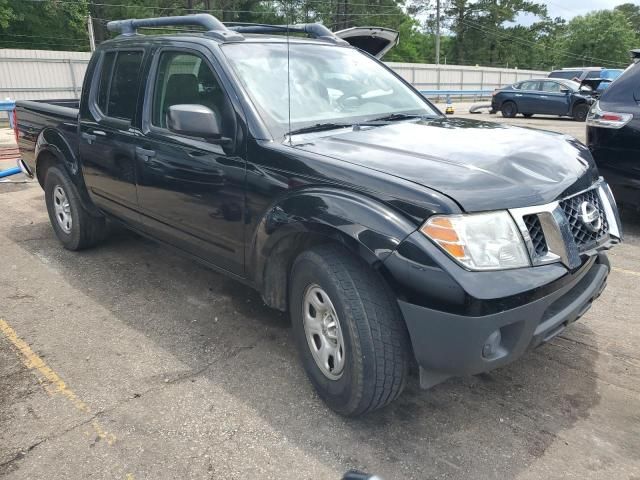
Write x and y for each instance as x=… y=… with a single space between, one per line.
x=73 y=78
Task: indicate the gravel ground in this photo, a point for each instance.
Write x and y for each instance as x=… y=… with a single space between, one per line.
x=130 y=362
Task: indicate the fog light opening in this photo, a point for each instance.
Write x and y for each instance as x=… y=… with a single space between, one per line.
x=492 y=347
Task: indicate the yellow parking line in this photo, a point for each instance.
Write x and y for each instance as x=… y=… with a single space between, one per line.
x=52 y=382
x=623 y=270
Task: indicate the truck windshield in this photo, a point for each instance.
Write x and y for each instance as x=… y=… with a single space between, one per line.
x=329 y=85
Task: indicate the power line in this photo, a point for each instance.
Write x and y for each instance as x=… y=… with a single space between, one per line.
x=41 y=46
x=9 y=34
x=529 y=42
x=204 y=10
x=69 y=41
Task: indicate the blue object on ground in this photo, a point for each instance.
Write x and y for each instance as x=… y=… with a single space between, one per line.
x=10 y=171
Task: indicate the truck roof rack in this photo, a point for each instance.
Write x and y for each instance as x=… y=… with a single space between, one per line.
x=314 y=30
x=215 y=28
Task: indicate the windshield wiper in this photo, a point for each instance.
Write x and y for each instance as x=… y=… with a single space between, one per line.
x=400 y=116
x=319 y=127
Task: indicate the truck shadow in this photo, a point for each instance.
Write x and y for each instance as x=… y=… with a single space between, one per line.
x=630 y=219
x=494 y=425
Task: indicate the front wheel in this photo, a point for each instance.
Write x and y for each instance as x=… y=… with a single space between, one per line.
x=509 y=109
x=580 y=112
x=349 y=331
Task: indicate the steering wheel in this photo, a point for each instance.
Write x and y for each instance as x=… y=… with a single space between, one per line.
x=348 y=102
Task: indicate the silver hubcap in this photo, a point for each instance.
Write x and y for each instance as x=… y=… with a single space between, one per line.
x=323 y=332
x=62 y=209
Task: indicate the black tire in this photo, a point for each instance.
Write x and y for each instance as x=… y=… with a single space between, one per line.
x=580 y=112
x=376 y=342
x=85 y=230
x=509 y=109
x=527 y=115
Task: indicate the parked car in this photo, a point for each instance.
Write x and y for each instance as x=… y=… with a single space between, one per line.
x=543 y=96
x=390 y=233
x=613 y=134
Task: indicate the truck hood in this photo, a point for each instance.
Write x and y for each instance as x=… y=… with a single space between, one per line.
x=480 y=165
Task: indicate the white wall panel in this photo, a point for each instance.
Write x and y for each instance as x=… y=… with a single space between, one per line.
x=42 y=74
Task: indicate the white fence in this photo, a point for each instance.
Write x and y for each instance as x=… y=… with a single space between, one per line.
x=426 y=76
x=41 y=74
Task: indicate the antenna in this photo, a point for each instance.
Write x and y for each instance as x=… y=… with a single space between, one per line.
x=289 y=67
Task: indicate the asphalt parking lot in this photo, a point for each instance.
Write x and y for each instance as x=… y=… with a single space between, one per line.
x=130 y=362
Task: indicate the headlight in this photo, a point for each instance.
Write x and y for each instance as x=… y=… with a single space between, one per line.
x=479 y=241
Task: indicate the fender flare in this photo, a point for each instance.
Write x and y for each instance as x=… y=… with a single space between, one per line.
x=51 y=143
x=369 y=228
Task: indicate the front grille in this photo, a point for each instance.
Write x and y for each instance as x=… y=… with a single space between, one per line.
x=584 y=237
x=532 y=222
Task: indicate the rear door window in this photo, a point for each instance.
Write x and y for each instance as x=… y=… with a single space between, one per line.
x=119 y=84
x=529 y=85
x=105 y=80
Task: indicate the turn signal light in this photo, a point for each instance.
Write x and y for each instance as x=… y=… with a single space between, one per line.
x=441 y=231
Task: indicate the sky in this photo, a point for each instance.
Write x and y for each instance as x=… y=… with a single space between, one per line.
x=570 y=8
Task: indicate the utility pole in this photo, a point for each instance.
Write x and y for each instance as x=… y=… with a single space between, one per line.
x=92 y=38
x=437 y=32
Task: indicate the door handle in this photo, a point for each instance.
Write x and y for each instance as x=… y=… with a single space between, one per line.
x=543 y=96
x=88 y=137
x=99 y=132
x=518 y=94
x=145 y=154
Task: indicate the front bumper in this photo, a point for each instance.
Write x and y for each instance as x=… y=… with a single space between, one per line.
x=448 y=344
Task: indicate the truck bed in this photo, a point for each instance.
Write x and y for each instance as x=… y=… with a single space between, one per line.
x=65 y=108
x=34 y=116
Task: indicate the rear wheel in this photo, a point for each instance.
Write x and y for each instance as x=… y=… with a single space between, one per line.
x=349 y=331
x=73 y=225
x=509 y=109
x=580 y=112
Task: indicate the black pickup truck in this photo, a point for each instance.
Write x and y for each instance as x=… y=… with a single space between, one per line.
x=304 y=167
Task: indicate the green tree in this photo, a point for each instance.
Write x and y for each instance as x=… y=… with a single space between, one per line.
x=599 y=38
x=6 y=13
x=46 y=24
x=632 y=13
x=485 y=31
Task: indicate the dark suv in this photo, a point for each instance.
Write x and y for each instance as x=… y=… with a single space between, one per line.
x=307 y=169
x=577 y=74
x=613 y=134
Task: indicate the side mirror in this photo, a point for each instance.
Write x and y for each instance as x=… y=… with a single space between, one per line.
x=195 y=121
x=565 y=90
